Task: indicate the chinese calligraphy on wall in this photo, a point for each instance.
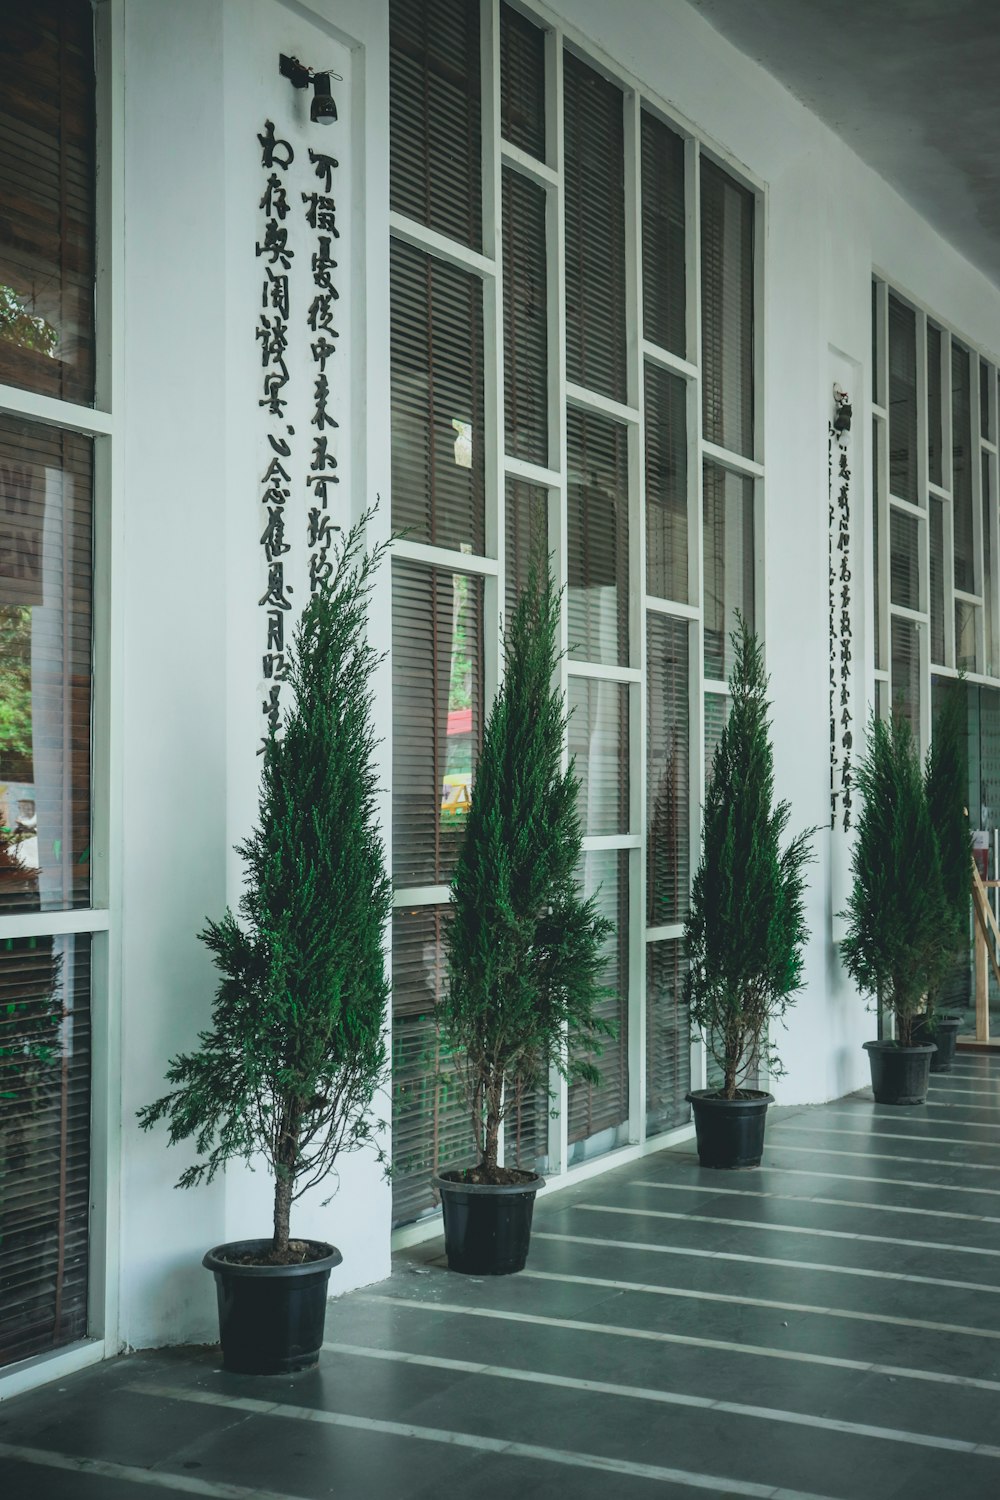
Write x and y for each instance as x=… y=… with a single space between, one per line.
x=839 y=522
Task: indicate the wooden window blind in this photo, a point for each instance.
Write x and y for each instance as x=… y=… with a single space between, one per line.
x=728 y=563
x=522 y=82
x=934 y=405
x=525 y=320
x=878 y=440
x=668 y=771
x=664 y=259
x=668 y=1038
x=962 y=461
x=438 y=464
x=727 y=312
x=435 y=146
x=595 y=231
x=44 y=1142
x=902 y=401
x=527 y=526
x=905 y=672
x=666 y=485
x=937 y=581
x=47 y=219
x=904 y=575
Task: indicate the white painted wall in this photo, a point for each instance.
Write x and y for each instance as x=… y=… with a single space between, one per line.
x=198 y=74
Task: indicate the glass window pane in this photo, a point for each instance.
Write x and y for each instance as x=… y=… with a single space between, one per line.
x=522 y=82
x=595 y=231
x=902 y=401
x=597 y=505
x=876 y=349
x=598 y=1114
x=46 y=540
x=904 y=574
x=989 y=582
x=906 y=672
x=985 y=404
x=666 y=485
x=437 y=632
x=438 y=474
x=47 y=219
x=668 y=771
x=878 y=438
x=525 y=320
x=430 y=1118
x=934 y=407
x=965 y=635
x=729 y=564
x=664 y=276
x=45 y=1143
x=598 y=741
x=727 y=333
x=527 y=510
x=716 y=714
x=961 y=437
x=435 y=173
x=937 y=581
x=668 y=1038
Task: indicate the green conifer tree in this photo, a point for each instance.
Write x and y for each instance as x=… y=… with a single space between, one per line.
x=296 y=1049
x=746 y=925
x=524 y=949
x=900 y=925
x=946 y=784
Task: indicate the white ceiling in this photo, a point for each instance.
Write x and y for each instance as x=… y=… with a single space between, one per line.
x=913 y=86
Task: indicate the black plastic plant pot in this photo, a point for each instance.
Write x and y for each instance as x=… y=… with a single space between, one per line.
x=900 y=1075
x=270 y=1317
x=945 y=1035
x=486 y=1229
x=729 y=1132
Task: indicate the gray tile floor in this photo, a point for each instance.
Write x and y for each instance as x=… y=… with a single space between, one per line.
x=827 y=1326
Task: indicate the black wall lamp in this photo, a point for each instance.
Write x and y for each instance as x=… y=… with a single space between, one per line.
x=323 y=109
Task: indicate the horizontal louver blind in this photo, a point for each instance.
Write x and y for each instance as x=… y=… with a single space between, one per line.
x=438 y=461
x=434 y=116
x=986 y=492
x=595 y=231
x=937 y=581
x=728 y=563
x=965 y=635
x=716 y=714
x=902 y=401
x=594 y=1108
x=437 y=635
x=668 y=1038
x=430 y=1120
x=906 y=673
x=904 y=575
x=47 y=198
x=668 y=771
x=527 y=526
x=522 y=82
x=46 y=539
x=666 y=485
x=525 y=320
x=664 y=277
x=727 y=330
x=878 y=439
x=934 y=405
x=597 y=504
x=961 y=439
x=44 y=1143
x=598 y=743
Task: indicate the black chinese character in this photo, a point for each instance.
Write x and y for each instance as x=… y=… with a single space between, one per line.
x=325 y=167
x=275 y=152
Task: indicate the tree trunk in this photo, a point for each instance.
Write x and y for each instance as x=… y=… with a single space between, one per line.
x=491 y=1148
x=282 y=1210
x=285 y=1158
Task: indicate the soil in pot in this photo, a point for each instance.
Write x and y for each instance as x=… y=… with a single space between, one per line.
x=487 y=1226
x=729 y=1132
x=900 y=1075
x=271 y=1317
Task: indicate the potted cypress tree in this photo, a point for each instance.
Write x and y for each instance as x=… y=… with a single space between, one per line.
x=524 y=949
x=746 y=925
x=946 y=780
x=295 y=1052
x=901 y=928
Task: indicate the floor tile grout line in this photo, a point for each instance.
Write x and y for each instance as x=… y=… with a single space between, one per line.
x=832 y=1234
x=511 y=1449
x=186 y=1484
x=693 y=1341
x=822 y=1267
x=871 y=1117
x=943 y=1187
x=671 y=1398
x=696 y=1295
x=879 y=1135
x=892 y=1208
x=910 y=1182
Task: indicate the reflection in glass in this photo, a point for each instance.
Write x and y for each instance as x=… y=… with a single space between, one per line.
x=666 y=485
x=668 y=771
x=45 y=664
x=598 y=742
x=597 y=504
x=729 y=564
x=906 y=673
x=598 y=1115
x=668 y=1038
